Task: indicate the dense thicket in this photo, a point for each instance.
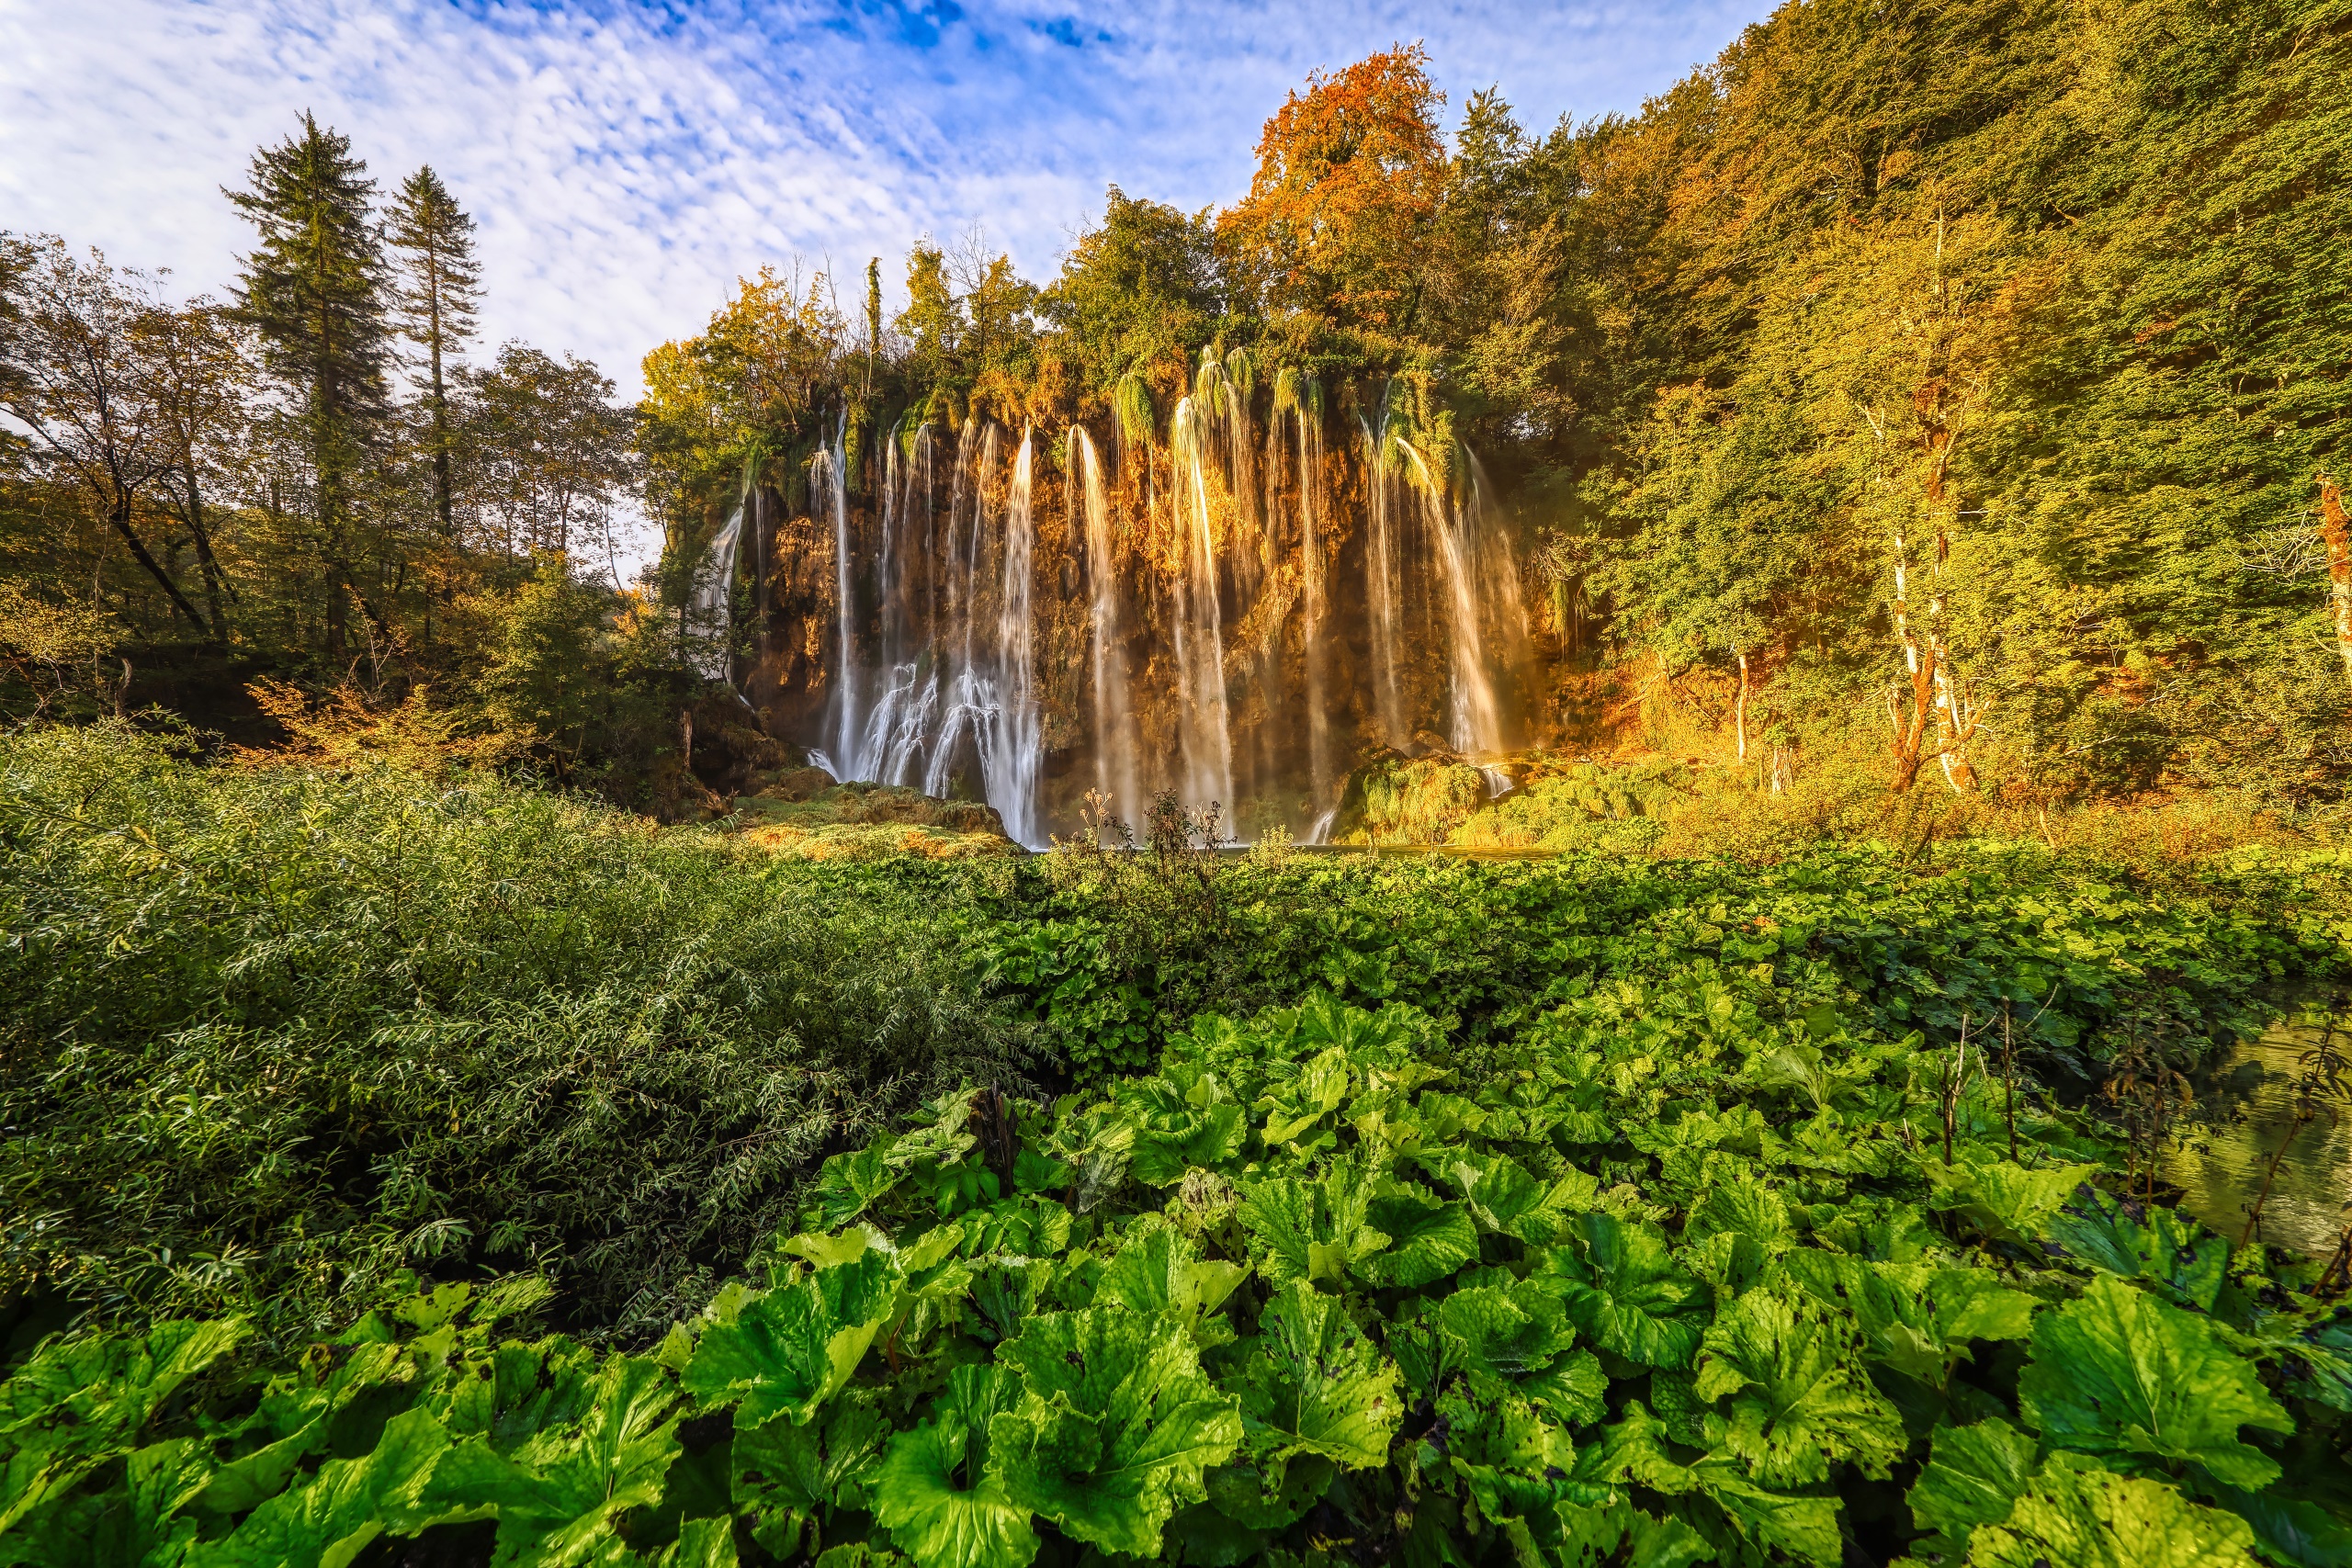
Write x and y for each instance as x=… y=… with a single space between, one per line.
x=272 y=1035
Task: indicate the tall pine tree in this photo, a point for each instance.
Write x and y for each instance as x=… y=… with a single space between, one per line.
x=314 y=293
x=437 y=296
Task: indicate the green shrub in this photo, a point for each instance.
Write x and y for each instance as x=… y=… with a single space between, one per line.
x=268 y=1035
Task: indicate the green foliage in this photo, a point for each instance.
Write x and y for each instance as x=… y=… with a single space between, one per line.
x=1115 y=959
x=1580 y=1213
x=1713 y=1357
x=268 y=1035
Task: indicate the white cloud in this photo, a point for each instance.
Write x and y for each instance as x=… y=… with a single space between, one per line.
x=627 y=161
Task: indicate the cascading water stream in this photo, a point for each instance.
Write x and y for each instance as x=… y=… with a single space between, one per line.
x=1384 y=483
x=1114 y=729
x=1206 y=727
x=1018 y=754
x=1475 y=719
x=708 y=618
x=1314 y=594
x=828 y=479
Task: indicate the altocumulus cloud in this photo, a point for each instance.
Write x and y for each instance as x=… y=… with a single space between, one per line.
x=627 y=161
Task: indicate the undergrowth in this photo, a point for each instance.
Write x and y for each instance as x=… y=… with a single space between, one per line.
x=270 y=1035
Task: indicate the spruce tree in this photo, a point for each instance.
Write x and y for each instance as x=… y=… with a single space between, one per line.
x=873 y=319
x=437 y=296
x=313 y=291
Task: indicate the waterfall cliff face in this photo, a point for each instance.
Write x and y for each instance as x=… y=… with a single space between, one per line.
x=1233 y=609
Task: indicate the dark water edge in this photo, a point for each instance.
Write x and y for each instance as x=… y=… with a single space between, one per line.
x=2220 y=1168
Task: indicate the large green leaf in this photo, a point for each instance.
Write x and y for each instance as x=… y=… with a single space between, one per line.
x=1506 y=1333
x=2002 y=1199
x=786 y=1351
x=2079 y=1516
x=557 y=1493
x=2135 y=1380
x=1799 y=1526
x=1317 y=1230
x=1621 y=1286
x=1115 y=1427
x=1299 y=1096
x=1158 y=1270
x=2161 y=1247
x=1917 y=1320
x=1268 y=1496
x=78 y=1399
x=1800 y=1400
x=1428 y=1240
x=701 y=1543
x=520 y=1390
x=789 y=1471
x=1507 y=1201
x=847 y=1185
x=326 y=1522
x=145 y=1523
x=945 y=1504
x=1974 y=1476
x=1178 y=1120
x=294 y=1417
x=1314 y=1384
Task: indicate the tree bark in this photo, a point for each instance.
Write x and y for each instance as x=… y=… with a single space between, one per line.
x=2336 y=529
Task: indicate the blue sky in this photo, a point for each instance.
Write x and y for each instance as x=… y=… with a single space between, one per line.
x=628 y=161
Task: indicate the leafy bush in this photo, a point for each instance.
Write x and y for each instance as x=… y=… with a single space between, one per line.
x=268 y=1035
x=1665 y=1278
x=1114 y=954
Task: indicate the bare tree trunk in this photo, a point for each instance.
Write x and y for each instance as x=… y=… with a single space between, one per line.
x=2337 y=530
x=1910 y=729
x=1739 y=706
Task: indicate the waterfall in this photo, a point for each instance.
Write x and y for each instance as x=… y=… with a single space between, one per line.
x=1314 y=603
x=708 y=621
x=1204 y=727
x=1012 y=764
x=965 y=639
x=1384 y=483
x=1114 y=735
x=972 y=690
x=1474 y=720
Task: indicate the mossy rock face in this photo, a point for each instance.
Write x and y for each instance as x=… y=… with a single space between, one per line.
x=797 y=784
x=1562 y=804
x=1396 y=799
x=859 y=840
x=801 y=811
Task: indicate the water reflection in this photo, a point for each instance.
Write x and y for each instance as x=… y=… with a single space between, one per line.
x=2222 y=1170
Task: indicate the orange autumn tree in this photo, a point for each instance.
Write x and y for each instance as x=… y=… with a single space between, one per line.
x=1350 y=172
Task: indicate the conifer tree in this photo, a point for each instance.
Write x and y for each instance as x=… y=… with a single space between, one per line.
x=313 y=291
x=437 y=296
x=873 y=319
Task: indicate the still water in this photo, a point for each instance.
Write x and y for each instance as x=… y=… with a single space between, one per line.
x=2222 y=1167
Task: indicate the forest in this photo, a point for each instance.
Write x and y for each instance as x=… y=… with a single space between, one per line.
x=1612 y=843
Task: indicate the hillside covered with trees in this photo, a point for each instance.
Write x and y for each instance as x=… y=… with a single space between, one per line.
x=1952 y=390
